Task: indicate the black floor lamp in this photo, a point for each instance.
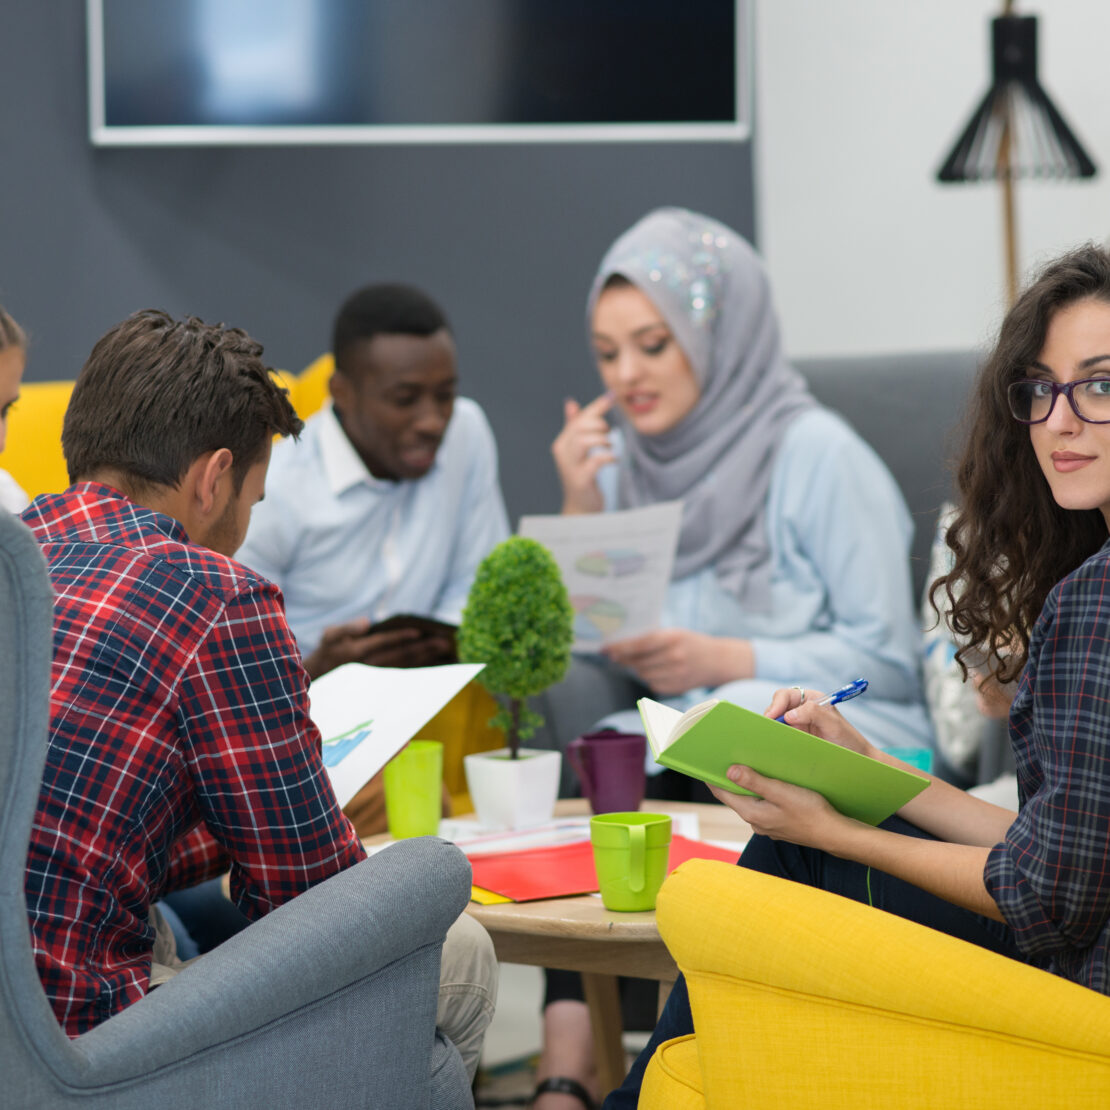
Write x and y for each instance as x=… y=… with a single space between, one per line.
x=1016 y=130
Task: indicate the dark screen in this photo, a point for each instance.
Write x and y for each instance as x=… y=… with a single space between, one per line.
x=412 y=62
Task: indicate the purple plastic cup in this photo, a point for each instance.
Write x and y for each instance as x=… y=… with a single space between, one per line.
x=610 y=767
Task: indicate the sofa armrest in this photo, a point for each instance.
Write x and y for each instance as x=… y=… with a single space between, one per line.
x=801 y=995
x=388 y=912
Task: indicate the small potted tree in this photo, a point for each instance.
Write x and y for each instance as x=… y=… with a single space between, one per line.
x=519 y=621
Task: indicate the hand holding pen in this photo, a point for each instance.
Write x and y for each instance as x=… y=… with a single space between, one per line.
x=851 y=690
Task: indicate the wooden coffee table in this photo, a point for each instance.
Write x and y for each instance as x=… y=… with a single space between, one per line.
x=580 y=934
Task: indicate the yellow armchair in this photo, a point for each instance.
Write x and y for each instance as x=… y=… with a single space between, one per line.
x=308 y=390
x=805 y=999
x=33 y=453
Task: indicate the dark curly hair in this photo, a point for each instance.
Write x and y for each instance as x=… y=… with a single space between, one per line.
x=1012 y=542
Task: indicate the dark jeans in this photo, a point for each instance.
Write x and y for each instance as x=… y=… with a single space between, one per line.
x=206 y=915
x=851 y=880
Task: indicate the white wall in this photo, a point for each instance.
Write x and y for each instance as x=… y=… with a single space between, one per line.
x=857 y=103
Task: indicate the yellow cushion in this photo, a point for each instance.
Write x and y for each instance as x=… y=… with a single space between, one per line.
x=805 y=999
x=309 y=391
x=33 y=453
x=462 y=726
x=673 y=1078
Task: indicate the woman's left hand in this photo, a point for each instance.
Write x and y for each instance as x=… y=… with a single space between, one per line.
x=782 y=811
x=673 y=660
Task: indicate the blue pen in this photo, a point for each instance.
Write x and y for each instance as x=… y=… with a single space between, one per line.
x=852 y=690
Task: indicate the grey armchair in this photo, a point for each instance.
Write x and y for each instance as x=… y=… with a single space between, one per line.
x=328 y=1001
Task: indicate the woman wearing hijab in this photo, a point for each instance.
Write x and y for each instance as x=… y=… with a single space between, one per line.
x=793 y=557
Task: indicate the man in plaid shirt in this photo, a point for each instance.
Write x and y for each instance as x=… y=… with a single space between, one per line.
x=180 y=741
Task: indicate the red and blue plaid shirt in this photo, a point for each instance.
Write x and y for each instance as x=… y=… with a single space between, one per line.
x=179 y=709
x=1051 y=875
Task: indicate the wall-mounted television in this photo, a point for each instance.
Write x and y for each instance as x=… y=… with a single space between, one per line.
x=417 y=71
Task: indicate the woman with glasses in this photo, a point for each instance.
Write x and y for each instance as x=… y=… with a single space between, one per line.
x=793 y=558
x=1030 y=593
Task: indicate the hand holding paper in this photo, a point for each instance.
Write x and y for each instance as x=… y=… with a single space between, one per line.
x=616 y=567
x=673 y=660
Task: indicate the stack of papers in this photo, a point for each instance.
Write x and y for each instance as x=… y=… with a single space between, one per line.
x=475 y=839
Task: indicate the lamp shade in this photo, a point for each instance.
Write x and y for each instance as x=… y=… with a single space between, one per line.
x=1016 y=130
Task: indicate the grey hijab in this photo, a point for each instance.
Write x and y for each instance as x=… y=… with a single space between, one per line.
x=712 y=291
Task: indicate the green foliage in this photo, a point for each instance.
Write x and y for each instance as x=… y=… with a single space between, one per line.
x=518 y=620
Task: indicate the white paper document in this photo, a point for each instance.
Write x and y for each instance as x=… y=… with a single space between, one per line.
x=477 y=840
x=616 y=567
x=366 y=715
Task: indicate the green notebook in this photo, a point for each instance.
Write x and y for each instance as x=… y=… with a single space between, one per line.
x=706 y=740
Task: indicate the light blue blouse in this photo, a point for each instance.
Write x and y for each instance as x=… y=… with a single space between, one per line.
x=841 y=603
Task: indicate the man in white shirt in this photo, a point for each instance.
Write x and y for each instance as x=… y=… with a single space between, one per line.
x=390 y=499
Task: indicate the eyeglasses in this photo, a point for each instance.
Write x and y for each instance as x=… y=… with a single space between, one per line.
x=1031 y=402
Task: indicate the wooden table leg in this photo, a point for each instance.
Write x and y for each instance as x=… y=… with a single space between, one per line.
x=603 y=999
x=665 y=986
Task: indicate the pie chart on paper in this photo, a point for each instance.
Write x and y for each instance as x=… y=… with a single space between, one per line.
x=597 y=618
x=611 y=563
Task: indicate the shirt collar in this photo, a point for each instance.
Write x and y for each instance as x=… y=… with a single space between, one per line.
x=343 y=465
x=93 y=510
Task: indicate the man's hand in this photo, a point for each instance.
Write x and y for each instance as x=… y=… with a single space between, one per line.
x=674 y=660
x=354 y=643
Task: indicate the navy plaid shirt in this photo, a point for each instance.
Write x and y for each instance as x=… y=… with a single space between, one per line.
x=180 y=743
x=1051 y=875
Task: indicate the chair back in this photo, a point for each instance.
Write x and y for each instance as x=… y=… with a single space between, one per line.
x=26 y=635
x=267 y=1019
x=908 y=408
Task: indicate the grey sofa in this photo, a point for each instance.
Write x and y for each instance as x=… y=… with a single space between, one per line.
x=909 y=408
x=328 y=1001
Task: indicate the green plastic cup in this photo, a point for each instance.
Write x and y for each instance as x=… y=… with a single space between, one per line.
x=630 y=855
x=413 y=789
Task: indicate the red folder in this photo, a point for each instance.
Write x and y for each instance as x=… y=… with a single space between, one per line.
x=566 y=869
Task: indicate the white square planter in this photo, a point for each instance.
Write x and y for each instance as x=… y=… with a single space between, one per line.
x=513 y=793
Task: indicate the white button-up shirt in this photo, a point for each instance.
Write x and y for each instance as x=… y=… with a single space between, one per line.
x=342 y=544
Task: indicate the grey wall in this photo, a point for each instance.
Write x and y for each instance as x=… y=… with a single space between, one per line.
x=272 y=239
